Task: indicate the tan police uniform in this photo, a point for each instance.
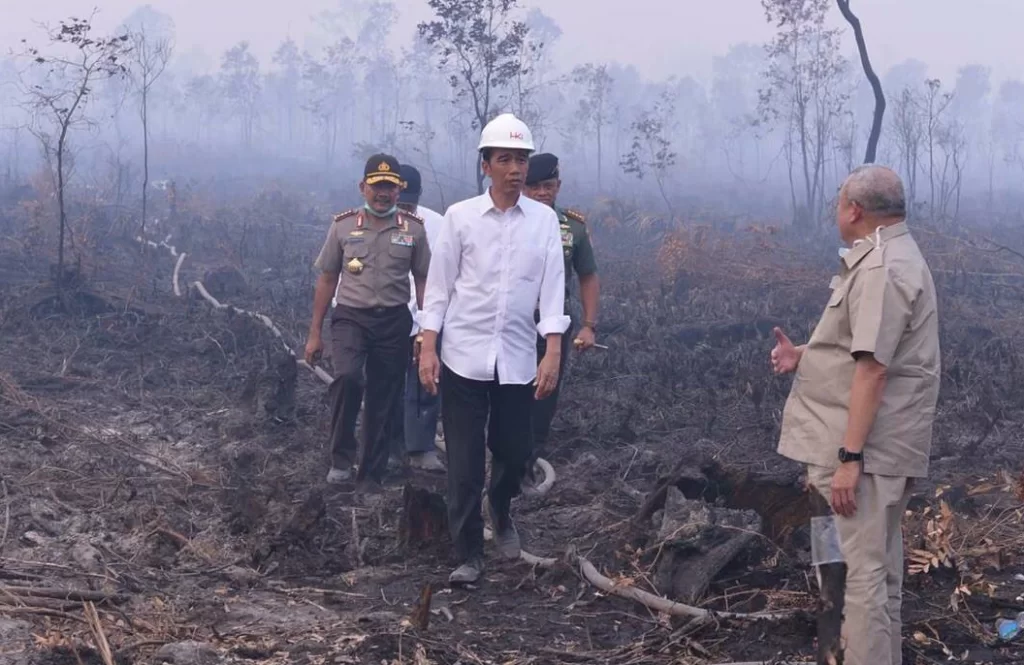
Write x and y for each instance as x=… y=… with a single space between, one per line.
x=370 y=326
x=883 y=302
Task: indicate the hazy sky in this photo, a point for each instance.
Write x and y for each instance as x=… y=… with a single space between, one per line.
x=660 y=37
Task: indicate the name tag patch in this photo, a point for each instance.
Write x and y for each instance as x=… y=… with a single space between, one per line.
x=403 y=239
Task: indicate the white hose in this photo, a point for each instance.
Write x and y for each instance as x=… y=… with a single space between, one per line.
x=262 y=318
x=541 y=465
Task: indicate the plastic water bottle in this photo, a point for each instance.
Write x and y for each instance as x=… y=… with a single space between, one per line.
x=1010 y=629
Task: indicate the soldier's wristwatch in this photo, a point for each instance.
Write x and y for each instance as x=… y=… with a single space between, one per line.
x=846 y=456
x=590 y=324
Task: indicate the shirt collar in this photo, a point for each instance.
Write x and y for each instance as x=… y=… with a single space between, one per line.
x=863 y=247
x=487 y=204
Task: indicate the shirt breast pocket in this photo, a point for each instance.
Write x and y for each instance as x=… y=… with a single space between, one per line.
x=403 y=252
x=356 y=250
x=834 y=319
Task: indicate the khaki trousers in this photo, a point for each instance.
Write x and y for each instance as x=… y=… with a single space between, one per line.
x=872 y=546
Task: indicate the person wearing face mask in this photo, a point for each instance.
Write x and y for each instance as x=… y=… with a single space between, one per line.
x=862 y=405
x=498 y=257
x=364 y=265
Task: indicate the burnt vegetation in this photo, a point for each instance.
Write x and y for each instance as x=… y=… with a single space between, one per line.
x=162 y=460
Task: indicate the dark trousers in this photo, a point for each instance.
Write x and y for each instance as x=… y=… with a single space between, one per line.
x=370 y=350
x=478 y=414
x=544 y=409
x=421 y=411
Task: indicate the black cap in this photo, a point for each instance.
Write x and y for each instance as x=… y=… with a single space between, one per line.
x=542 y=167
x=413 y=187
x=382 y=168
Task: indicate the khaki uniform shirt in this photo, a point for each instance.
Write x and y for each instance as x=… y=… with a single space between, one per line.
x=883 y=302
x=375 y=257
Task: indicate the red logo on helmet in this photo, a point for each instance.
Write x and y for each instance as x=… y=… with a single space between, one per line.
x=516 y=135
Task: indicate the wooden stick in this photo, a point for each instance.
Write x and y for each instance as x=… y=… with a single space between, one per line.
x=96 y=626
x=62 y=594
x=665 y=605
x=7 y=515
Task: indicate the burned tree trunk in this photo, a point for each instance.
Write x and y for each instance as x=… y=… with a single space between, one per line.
x=869 y=72
x=832 y=587
x=697 y=541
x=424 y=520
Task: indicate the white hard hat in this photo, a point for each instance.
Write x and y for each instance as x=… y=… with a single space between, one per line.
x=506 y=131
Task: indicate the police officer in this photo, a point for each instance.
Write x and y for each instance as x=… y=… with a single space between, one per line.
x=542 y=184
x=421 y=408
x=365 y=264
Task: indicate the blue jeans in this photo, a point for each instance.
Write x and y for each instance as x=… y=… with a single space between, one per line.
x=421 y=411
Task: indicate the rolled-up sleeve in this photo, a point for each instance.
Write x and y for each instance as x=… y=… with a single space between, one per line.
x=880 y=310
x=552 y=287
x=444 y=268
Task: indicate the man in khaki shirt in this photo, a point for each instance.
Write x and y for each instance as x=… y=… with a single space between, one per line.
x=373 y=250
x=862 y=404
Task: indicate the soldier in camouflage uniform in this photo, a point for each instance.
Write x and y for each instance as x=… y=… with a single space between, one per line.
x=542 y=184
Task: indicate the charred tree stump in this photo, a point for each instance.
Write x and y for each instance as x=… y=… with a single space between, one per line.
x=697 y=541
x=424 y=520
x=832 y=588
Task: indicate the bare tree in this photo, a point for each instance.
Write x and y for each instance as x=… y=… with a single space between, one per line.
x=329 y=82
x=935 y=103
x=149 y=57
x=869 y=72
x=478 y=43
x=803 y=75
x=908 y=135
x=951 y=139
x=240 y=80
x=651 y=151
x=593 y=105
x=63 y=83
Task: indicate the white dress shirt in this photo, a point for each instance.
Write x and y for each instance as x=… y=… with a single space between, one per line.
x=489 y=271
x=432 y=222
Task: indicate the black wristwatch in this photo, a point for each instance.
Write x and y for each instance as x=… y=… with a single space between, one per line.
x=846 y=456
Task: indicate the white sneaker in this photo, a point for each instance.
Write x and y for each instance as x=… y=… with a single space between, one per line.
x=428 y=461
x=336 y=476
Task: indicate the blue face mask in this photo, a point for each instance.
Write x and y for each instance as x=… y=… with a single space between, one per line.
x=373 y=212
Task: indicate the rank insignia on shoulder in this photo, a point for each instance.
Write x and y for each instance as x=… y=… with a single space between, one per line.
x=415 y=218
x=572 y=214
x=345 y=215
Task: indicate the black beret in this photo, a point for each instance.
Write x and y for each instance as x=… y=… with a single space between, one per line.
x=542 y=167
x=413 y=186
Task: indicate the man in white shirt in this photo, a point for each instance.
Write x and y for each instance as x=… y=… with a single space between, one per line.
x=497 y=259
x=421 y=409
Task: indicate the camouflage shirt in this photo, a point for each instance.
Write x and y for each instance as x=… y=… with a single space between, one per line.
x=576 y=247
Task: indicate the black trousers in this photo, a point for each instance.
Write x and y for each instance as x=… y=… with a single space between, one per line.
x=478 y=414
x=544 y=409
x=369 y=350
